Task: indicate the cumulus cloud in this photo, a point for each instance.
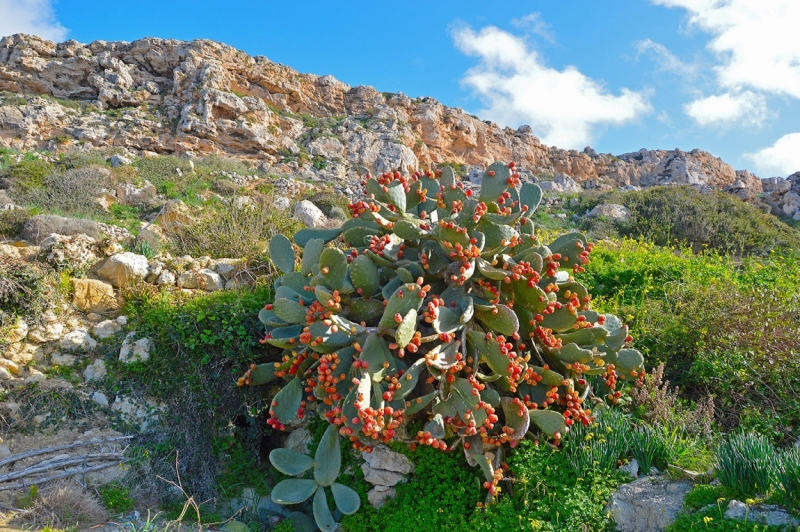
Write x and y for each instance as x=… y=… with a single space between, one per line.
x=562 y=106
x=746 y=108
x=666 y=60
x=533 y=23
x=30 y=16
x=782 y=158
x=756 y=47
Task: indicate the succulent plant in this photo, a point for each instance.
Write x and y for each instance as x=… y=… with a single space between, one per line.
x=327 y=463
x=434 y=303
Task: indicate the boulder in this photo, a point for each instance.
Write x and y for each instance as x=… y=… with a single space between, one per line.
x=381 y=477
x=129 y=194
x=123 y=268
x=649 y=504
x=47 y=333
x=73 y=252
x=561 y=183
x=119 y=160
x=210 y=281
x=106 y=329
x=309 y=214
x=92 y=295
x=63 y=359
x=17 y=332
x=765 y=514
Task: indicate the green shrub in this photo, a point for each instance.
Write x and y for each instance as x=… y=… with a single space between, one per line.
x=115 y=497
x=683 y=215
x=695 y=312
x=71 y=192
x=23 y=292
x=744 y=464
x=12 y=221
x=332 y=204
x=198 y=343
x=26 y=175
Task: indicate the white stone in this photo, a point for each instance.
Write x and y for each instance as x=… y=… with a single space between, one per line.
x=17 y=332
x=119 y=160
x=34 y=376
x=282 y=203
x=106 y=329
x=167 y=278
x=122 y=321
x=384 y=458
x=5 y=374
x=100 y=398
x=48 y=333
x=122 y=268
x=225 y=270
x=309 y=214
x=63 y=359
x=76 y=340
x=210 y=281
x=95 y=371
x=188 y=280
x=766 y=514
x=135 y=350
x=380 y=477
x=298 y=440
x=378 y=497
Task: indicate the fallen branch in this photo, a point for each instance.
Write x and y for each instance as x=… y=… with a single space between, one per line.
x=25 y=484
x=38 y=468
x=17 y=457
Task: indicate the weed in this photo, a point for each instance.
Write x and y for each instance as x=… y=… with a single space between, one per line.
x=599 y=446
x=116 y=497
x=744 y=464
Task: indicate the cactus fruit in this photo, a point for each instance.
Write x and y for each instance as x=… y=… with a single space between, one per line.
x=432 y=302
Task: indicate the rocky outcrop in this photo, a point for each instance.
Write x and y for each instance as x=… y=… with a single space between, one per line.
x=167 y=96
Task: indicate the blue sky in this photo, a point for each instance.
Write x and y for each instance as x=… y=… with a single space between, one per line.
x=619 y=75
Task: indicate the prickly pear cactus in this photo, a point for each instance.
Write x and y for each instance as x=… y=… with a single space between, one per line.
x=436 y=304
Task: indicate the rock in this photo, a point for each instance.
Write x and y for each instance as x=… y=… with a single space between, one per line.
x=122 y=321
x=189 y=280
x=282 y=203
x=24 y=353
x=384 y=458
x=72 y=252
x=106 y=329
x=77 y=340
x=34 y=376
x=5 y=452
x=123 y=268
x=100 y=398
x=298 y=440
x=95 y=371
x=17 y=332
x=649 y=504
x=776 y=185
x=267 y=508
x=378 y=497
x=174 y=214
x=309 y=214
x=133 y=350
x=225 y=270
x=210 y=281
x=610 y=210
x=5 y=374
x=380 y=477
x=167 y=278
x=47 y=333
x=119 y=160
x=10 y=366
x=765 y=514
x=93 y=295
x=562 y=183
x=61 y=359
x=631 y=468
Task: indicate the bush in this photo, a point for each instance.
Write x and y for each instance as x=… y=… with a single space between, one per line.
x=23 y=292
x=682 y=215
x=198 y=345
x=225 y=231
x=12 y=221
x=39 y=227
x=332 y=204
x=599 y=446
x=26 y=175
x=69 y=192
x=744 y=464
x=787 y=474
x=695 y=312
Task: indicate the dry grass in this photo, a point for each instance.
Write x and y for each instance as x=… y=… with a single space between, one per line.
x=66 y=505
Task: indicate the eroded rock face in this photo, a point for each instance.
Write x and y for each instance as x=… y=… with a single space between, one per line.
x=205 y=97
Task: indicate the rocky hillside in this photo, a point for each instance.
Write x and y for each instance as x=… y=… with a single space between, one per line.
x=202 y=97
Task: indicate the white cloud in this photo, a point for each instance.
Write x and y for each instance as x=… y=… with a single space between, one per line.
x=533 y=23
x=666 y=60
x=756 y=46
x=746 y=108
x=30 y=16
x=562 y=107
x=782 y=158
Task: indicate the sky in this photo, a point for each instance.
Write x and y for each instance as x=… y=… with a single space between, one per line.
x=618 y=75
